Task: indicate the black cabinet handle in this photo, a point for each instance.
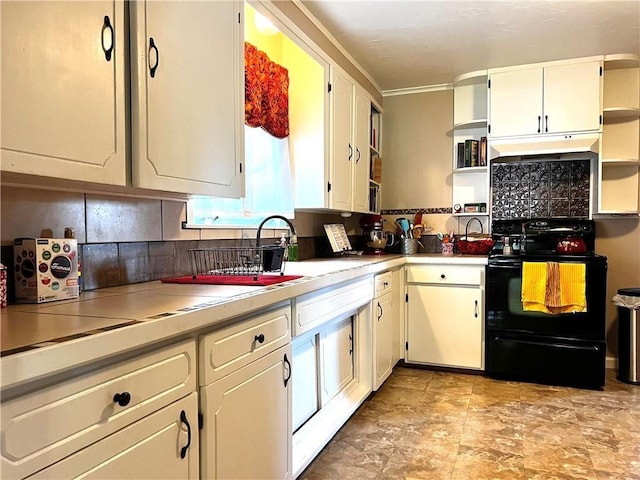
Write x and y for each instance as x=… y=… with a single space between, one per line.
x=183 y=419
x=259 y=338
x=386 y=284
x=350 y=151
x=107 y=47
x=154 y=67
x=380 y=310
x=443 y=276
x=350 y=345
x=357 y=154
x=288 y=367
x=475 y=310
x=539 y=120
x=546 y=123
x=122 y=399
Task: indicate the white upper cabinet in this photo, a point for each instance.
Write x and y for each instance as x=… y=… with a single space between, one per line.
x=342 y=148
x=63 y=90
x=553 y=99
x=349 y=162
x=187 y=97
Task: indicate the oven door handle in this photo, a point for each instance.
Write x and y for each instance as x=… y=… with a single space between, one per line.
x=510 y=266
x=497 y=338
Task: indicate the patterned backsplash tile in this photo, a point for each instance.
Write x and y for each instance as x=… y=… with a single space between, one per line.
x=548 y=188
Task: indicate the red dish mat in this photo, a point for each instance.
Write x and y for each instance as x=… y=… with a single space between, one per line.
x=262 y=281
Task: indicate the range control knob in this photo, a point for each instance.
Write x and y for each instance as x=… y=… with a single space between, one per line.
x=586 y=228
x=575 y=227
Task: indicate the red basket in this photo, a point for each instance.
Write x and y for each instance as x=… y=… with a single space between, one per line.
x=474 y=247
x=480 y=245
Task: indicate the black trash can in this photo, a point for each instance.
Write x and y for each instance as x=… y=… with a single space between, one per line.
x=628 y=302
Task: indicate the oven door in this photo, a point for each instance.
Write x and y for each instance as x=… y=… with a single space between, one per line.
x=504 y=312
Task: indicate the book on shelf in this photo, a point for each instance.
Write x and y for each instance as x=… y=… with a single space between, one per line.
x=482 y=154
x=471 y=153
x=460 y=156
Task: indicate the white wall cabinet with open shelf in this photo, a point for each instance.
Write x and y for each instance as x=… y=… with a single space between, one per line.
x=618 y=176
x=470 y=184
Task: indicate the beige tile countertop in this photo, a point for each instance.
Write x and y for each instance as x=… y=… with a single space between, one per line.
x=42 y=339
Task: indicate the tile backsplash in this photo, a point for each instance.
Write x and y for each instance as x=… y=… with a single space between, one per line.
x=540 y=188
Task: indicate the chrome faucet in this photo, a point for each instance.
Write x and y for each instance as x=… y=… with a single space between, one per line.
x=271 y=217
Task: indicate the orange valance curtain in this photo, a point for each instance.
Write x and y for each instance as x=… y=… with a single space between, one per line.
x=266 y=93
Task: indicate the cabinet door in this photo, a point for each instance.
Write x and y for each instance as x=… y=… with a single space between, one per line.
x=342 y=148
x=515 y=103
x=384 y=323
x=336 y=358
x=445 y=325
x=63 y=90
x=397 y=282
x=572 y=98
x=187 y=97
x=304 y=376
x=361 y=154
x=246 y=430
x=162 y=445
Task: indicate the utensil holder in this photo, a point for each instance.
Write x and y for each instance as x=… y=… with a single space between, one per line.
x=409 y=246
x=447 y=248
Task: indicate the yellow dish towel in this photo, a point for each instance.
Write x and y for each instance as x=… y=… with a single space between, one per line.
x=552 y=287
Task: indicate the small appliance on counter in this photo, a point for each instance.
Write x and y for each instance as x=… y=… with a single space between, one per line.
x=46 y=269
x=375 y=238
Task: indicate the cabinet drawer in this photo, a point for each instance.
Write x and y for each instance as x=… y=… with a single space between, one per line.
x=317 y=308
x=49 y=424
x=446 y=274
x=128 y=453
x=227 y=349
x=382 y=283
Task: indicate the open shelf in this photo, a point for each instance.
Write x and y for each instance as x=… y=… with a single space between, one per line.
x=611 y=113
x=471 y=124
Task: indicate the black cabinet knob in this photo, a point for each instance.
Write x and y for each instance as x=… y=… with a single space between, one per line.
x=122 y=399
x=259 y=338
x=442 y=276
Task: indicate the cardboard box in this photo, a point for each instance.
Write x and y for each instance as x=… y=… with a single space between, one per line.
x=46 y=269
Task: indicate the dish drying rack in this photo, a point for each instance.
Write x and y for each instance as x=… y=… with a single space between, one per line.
x=238 y=261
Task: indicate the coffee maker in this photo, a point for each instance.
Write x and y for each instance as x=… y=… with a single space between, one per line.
x=374 y=237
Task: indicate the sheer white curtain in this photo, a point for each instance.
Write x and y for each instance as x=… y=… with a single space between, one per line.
x=268 y=186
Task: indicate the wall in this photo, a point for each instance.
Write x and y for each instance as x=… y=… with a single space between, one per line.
x=619 y=240
x=417 y=158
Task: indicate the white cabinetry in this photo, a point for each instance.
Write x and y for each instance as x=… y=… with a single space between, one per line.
x=63 y=90
x=245 y=373
x=336 y=358
x=385 y=321
x=79 y=411
x=187 y=97
x=445 y=315
x=161 y=445
x=619 y=190
x=470 y=183
x=349 y=167
x=552 y=99
x=304 y=378
x=333 y=333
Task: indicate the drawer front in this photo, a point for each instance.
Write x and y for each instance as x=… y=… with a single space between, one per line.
x=47 y=425
x=446 y=274
x=314 y=309
x=227 y=349
x=382 y=283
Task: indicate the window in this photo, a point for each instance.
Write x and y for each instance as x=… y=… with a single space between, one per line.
x=268 y=187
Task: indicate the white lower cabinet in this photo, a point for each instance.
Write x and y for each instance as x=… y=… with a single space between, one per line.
x=246 y=432
x=305 y=379
x=62 y=420
x=245 y=372
x=162 y=445
x=384 y=320
x=445 y=316
x=336 y=358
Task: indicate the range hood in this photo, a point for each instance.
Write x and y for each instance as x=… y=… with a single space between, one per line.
x=544 y=145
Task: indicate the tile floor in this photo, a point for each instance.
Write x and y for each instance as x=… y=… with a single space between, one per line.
x=432 y=425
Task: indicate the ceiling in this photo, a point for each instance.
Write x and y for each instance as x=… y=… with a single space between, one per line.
x=405 y=44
